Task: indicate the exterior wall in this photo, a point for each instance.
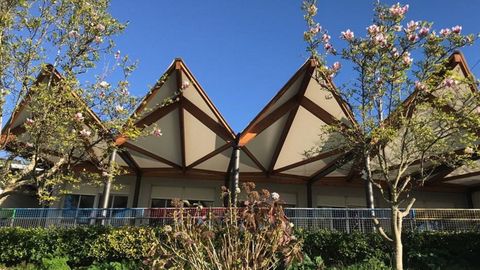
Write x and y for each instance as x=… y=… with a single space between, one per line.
x=170 y=188
x=124 y=185
x=209 y=190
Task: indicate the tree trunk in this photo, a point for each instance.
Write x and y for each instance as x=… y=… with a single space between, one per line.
x=396 y=220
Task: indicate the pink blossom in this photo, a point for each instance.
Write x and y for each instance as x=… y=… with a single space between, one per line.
x=185 y=85
x=457 y=29
x=395 y=52
x=398 y=28
x=117 y=55
x=449 y=82
x=98 y=39
x=407 y=60
x=29 y=121
x=326 y=38
x=29 y=144
x=73 y=34
x=423 y=31
x=412 y=37
x=315 y=29
x=85 y=133
x=336 y=66
x=348 y=35
x=79 y=117
x=373 y=29
x=157 y=132
x=104 y=84
x=380 y=39
x=420 y=86
x=412 y=25
x=478 y=109
x=397 y=10
x=445 y=32
x=328 y=47
x=100 y=27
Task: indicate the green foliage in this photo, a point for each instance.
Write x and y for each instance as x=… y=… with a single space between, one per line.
x=55 y=264
x=80 y=246
x=339 y=248
x=125 y=265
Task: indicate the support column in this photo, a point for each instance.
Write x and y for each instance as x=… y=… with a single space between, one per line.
x=136 y=193
x=235 y=174
x=108 y=186
x=309 y=195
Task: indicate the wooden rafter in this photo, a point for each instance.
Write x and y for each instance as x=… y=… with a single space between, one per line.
x=254 y=159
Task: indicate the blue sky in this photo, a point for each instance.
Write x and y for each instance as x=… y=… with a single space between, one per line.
x=243 y=52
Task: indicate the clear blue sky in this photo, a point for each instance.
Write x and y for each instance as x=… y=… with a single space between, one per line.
x=242 y=52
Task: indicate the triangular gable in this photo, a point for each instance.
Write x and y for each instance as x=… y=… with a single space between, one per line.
x=293 y=122
x=193 y=130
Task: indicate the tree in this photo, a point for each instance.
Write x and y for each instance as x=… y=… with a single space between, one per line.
x=413 y=117
x=65 y=122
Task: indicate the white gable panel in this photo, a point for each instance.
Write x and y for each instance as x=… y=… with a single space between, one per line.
x=147 y=162
x=247 y=164
x=325 y=99
x=305 y=134
x=218 y=162
x=310 y=168
x=199 y=139
x=168 y=145
x=264 y=144
x=193 y=95
x=167 y=90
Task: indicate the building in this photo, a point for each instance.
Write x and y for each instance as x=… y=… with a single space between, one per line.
x=195 y=155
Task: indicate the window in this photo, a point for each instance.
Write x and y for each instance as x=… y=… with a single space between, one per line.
x=115 y=201
x=79 y=201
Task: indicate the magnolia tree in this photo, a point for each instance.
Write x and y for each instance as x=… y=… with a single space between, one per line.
x=70 y=123
x=413 y=116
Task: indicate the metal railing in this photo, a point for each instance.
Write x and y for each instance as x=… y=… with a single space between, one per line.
x=340 y=219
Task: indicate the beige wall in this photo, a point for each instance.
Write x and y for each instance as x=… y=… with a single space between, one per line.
x=292 y=194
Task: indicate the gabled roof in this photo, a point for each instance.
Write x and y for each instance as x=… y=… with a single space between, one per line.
x=14 y=128
x=293 y=122
x=196 y=138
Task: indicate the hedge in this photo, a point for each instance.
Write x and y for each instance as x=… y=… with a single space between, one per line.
x=422 y=250
x=90 y=246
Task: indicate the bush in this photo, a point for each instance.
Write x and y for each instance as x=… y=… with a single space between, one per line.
x=422 y=250
x=80 y=246
x=125 y=248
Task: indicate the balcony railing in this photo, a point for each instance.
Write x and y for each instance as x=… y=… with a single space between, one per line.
x=340 y=219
